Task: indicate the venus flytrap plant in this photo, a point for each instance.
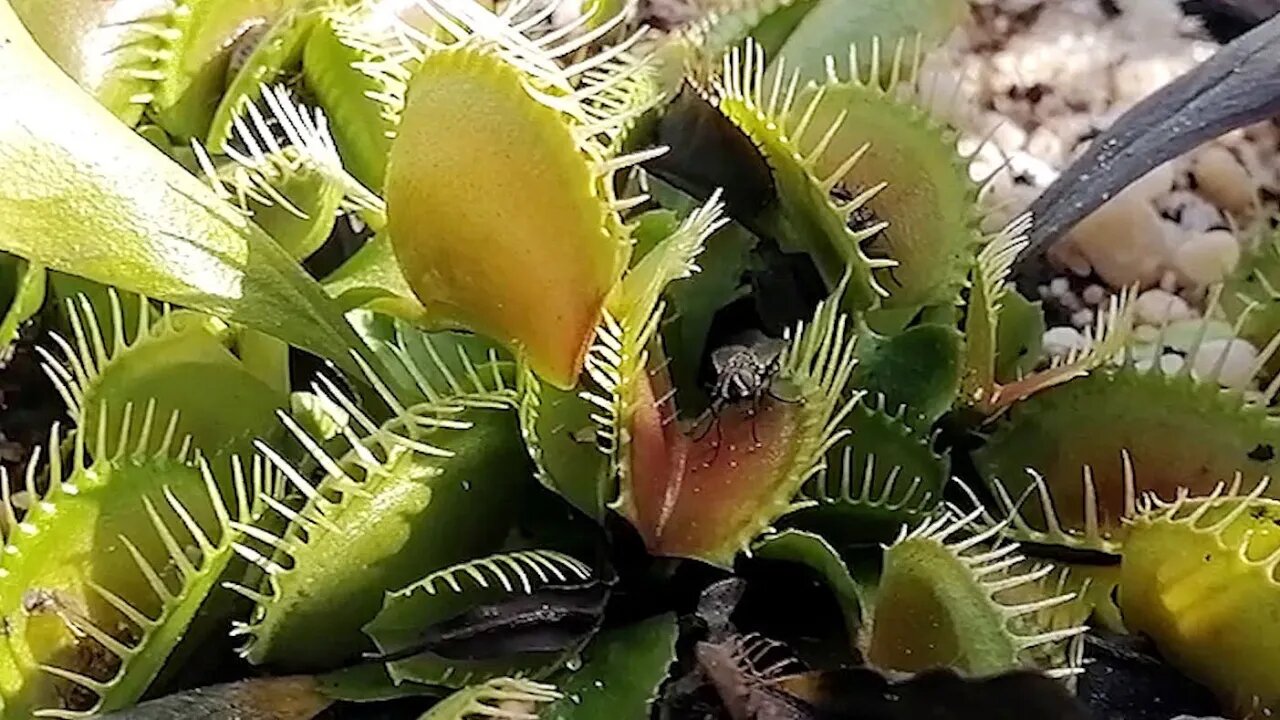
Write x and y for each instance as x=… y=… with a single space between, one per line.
x=552 y=327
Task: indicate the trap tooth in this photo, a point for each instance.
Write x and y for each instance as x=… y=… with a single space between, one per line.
x=947 y=599
x=106 y=569
x=1199 y=575
x=1096 y=443
x=498 y=167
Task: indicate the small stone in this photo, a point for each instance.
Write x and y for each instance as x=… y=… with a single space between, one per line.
x=1192 y=211
x=1071 y=301
x=1155 y=183
x=1143 y=355
x=1123 y=241
x=1171 y=363
x=1059 y=341
x=1158 y=307
x=1207 y=257
x=1059 y=286
x=1185 y=334
x=1082 y=318
x=1222 y=179
x=1237 y=365
x=1174 y=235
x=1094 y=294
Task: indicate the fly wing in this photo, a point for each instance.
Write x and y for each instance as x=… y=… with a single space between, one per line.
x=769 y=350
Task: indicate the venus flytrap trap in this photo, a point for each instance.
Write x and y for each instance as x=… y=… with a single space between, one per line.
x=1199 y=576
x=706 y=495
x=522 y=612
x=964 y=603
x=527 y=181
x=877 y=478
x=167 y=351
x=110 y=562
x=394 y=503
x=1126 y=442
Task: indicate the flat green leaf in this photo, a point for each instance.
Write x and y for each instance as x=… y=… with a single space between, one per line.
x=919 y=368
x=80 y=193
x=621 y=672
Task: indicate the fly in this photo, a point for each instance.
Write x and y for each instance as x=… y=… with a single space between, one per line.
x=744 y=370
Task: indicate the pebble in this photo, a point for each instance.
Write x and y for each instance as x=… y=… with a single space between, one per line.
x=1094 y=294
x=1082 y=318
x=1223 y=180
x=1146 y=333
x=1158 y=307
x=1184 y=334
x=1192 y=211
x=1174 y=235
x=1237 y=367
x=1171 y=363
x=1059 y=341
x=1123 y=241
x=1207 y=257
x=1155 y=183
